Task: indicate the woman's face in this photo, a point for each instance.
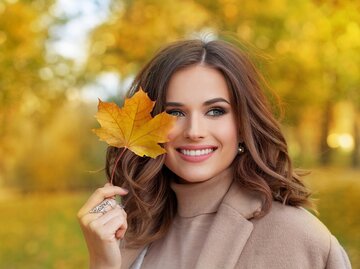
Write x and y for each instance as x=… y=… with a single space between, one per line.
x=204 y=140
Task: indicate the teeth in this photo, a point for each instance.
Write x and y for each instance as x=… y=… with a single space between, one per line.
x=197 y=152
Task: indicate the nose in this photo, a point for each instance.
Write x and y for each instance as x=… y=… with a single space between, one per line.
x=195 y=128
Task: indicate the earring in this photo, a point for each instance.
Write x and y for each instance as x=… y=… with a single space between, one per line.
x=241 y=149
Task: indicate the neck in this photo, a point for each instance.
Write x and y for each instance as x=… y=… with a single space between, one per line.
x=202 y=197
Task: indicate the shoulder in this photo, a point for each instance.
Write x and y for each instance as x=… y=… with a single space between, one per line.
x=295 y=223
x=295 y=232
x=282 y=220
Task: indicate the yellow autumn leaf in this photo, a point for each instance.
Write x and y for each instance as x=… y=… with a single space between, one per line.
x=132 y=126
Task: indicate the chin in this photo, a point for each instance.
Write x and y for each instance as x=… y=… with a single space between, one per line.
x=195 y=177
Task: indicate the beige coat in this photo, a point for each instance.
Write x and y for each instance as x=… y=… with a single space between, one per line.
x=287 y=237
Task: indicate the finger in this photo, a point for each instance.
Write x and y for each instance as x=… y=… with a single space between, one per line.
x=120 y=233
x=99 y=195
x=106 y=215
x=117 y=212
x=109 y=184
x=108 y=230
x=99 y=210
x=115 y=224
x=86 y=219
x=102 y=193
x=104 y=206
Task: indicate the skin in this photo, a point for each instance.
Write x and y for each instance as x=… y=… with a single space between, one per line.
x=102 y=232
x=199 y=97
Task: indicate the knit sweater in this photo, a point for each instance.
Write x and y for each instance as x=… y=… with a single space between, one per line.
x=215 y=228
x=197 y=206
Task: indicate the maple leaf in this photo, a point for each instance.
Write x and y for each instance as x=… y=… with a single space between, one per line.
x=132 y=126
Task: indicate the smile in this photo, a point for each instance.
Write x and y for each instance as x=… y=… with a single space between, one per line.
x=198 y=152
x=195 y=154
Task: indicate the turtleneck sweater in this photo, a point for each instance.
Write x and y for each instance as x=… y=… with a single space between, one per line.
x=197 y=204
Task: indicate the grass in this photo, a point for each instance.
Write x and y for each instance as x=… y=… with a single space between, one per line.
x=338 y=194
x=41 y=230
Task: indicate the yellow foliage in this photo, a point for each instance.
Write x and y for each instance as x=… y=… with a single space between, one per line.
x=132 y=126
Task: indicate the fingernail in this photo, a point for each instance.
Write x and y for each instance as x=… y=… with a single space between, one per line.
x=125 y=189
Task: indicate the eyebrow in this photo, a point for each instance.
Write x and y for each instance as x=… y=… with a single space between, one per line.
x=206 y=103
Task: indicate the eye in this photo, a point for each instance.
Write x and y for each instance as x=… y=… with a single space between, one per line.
x=176 y=113
x=215 y=112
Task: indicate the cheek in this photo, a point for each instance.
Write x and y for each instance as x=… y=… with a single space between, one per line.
x=228 y=133
x=171 y=138
x=169 y=157
x=230 y=141
x=175 y=131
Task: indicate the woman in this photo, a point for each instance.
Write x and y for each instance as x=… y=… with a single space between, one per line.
x=225 y=194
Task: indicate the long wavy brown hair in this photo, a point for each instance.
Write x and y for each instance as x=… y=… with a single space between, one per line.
x=265 y=166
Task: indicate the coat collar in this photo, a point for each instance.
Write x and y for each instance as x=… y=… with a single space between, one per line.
x=129 y=255
x=231 y=229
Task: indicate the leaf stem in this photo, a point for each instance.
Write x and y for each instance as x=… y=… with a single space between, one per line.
x=115 y=165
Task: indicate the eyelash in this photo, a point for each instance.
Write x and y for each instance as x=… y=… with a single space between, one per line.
x=218 y=110
x=173 y=111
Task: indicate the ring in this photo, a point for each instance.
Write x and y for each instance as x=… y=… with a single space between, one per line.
x=100 y=208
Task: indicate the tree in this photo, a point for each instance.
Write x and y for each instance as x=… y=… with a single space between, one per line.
x=311 y=50
x=32 y=83
x=136 y=29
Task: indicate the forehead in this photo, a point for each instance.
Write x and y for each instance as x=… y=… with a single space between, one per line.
x=197 y=83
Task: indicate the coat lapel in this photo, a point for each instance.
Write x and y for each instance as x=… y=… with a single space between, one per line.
x=230 y=230
x=227 y=236
x=128 y=256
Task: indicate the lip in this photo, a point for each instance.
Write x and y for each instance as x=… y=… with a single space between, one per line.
x=195 y=159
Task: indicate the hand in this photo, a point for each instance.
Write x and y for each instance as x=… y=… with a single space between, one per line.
x=102 y=231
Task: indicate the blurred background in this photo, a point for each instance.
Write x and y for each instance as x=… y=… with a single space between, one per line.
x=57 y=57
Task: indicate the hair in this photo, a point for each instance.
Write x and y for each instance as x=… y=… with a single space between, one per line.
x=264 y=168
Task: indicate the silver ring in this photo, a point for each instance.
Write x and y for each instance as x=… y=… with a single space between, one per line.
x=101 y=208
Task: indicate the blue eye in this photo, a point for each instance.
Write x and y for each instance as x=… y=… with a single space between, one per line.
x=215 y=112
x=175 y=113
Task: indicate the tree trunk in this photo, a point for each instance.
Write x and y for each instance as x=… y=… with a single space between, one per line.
x=356 y=151
x=325 y=150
